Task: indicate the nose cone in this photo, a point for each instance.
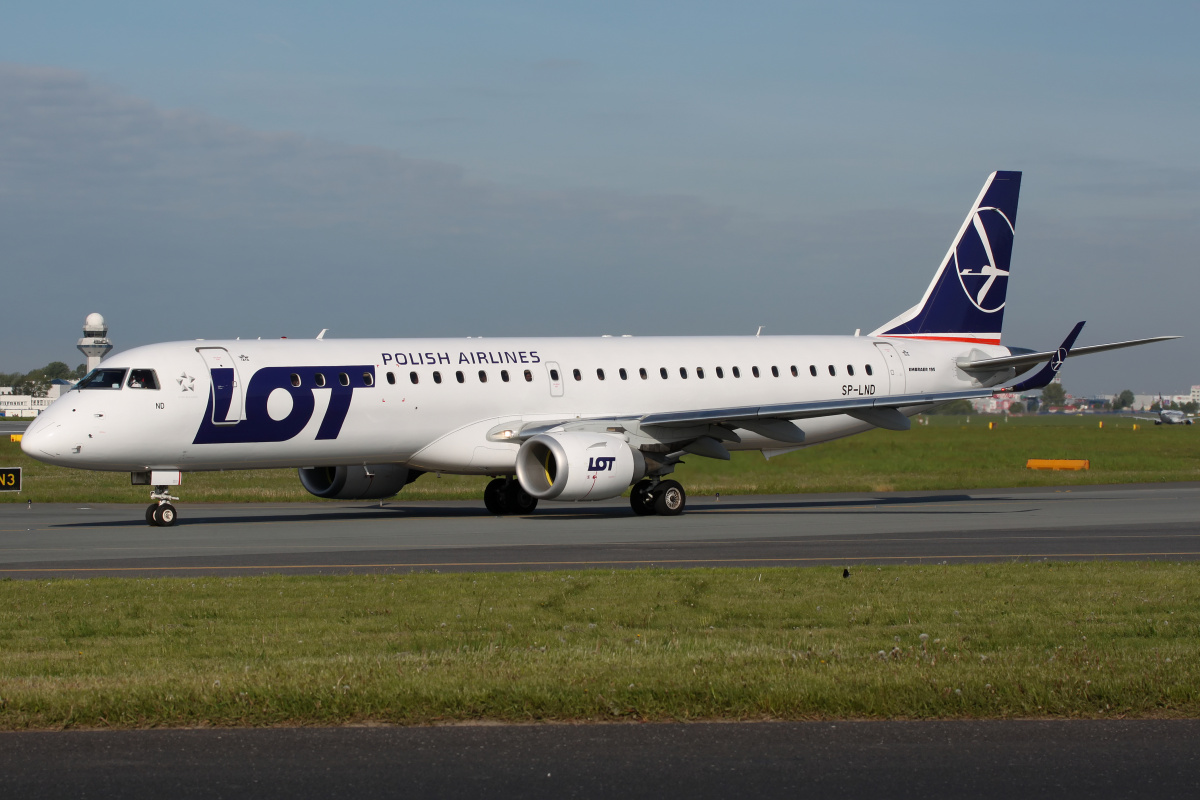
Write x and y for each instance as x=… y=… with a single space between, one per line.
x=44 y=438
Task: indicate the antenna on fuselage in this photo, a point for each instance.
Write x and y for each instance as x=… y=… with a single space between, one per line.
x=759 y=331
x=321 y=335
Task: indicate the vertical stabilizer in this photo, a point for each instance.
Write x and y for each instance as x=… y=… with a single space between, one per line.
x=965 y=301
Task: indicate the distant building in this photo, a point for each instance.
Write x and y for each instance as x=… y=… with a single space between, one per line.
x=22 y=405
x=996 y=404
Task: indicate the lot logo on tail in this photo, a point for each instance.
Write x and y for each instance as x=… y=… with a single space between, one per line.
x=975 y=259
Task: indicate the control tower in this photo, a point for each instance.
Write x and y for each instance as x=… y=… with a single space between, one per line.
x=94 y=344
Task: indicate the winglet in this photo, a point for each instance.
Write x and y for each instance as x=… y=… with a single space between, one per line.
x=1047 y=373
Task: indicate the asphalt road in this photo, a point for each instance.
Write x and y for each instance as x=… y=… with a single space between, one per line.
x=1158 y=521
x=1025 y=759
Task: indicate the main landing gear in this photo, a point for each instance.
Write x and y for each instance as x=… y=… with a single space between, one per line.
x=161 y=514
x=665 y=498
x=504 y=496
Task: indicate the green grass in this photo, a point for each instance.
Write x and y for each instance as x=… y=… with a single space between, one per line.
x=948 y=453
x=1097 y=639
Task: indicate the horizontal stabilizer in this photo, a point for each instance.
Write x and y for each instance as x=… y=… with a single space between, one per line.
x=1024 y=361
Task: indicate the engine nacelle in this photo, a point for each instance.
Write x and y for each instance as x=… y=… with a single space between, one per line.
x=372 y=482
x=578 y=465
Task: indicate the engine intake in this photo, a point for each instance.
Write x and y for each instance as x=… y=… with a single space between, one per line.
x=578 y=465
x=371 y=482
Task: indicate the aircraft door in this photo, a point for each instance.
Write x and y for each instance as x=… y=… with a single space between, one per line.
x=896 y=378
x=556 y=378
x=226 y=385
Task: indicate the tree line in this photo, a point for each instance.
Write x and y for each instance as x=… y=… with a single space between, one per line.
x=37 y=382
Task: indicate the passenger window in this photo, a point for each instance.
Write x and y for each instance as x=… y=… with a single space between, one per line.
x=754 y=371
x=774 y=372
x=850 y=370
x=600 y=374
x=683 y=373
x=368 y=379
x=504 y=375
x=528 y=376
x=869 y=371
x=460 y=377
x=437 y=377
x=832 y=371
x=319 y=379
x=343 y=379
x=296 y=379
x=412 y=378
x=663 y=372
x=553 y=374
x=720 y=372
x=576 y=375
x=795 y=372
x=812 y=370
x=700 y=373
x=624 y=375
x=737 y=373
x=482 y=376
x=642 y=372
x=142 y=379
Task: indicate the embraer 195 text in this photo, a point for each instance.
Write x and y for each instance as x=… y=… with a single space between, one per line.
x=550 y=419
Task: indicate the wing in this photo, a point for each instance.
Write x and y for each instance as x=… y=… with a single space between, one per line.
x=686 y=428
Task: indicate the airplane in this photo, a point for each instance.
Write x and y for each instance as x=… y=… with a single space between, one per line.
x=554 y=419
x=1168 y=416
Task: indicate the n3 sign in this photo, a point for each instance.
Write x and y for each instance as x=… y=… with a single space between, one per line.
x=10 y=479
x=601 y=463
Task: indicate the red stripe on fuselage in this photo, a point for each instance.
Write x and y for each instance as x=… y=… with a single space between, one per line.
x=968 y=339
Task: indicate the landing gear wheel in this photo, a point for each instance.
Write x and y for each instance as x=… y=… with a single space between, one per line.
x=641 y=500
x=669 y=499
x=493 y=497
x=164 y=515
x=150 y=509
x=517 y=500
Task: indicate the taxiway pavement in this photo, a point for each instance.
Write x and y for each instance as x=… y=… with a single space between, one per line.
x=979 y=759
x=1153 y=521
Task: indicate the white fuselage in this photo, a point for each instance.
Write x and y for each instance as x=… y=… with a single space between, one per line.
x=370 y=409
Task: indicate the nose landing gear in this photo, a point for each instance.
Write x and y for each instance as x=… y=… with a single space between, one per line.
x=161 y=514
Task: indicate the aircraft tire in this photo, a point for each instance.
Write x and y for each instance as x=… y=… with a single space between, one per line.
x=517 y=500
x=640 y=499
x=493 y=497
x=165 y=515
x=669 y=499
x=150 y=509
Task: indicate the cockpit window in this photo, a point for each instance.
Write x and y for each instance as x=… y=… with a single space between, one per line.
x=142 y=379
x=102 y=378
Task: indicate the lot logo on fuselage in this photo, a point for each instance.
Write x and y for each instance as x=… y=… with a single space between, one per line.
x=259 y=426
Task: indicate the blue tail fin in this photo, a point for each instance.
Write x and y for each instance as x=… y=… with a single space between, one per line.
x=965 y=302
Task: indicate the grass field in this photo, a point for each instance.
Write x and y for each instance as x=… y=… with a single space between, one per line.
x=949 y=452
x=998 y=640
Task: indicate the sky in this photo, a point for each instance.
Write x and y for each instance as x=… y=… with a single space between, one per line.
x=219 y=169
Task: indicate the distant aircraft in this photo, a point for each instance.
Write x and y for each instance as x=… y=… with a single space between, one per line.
x=549 y=419
x=1169 y=416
